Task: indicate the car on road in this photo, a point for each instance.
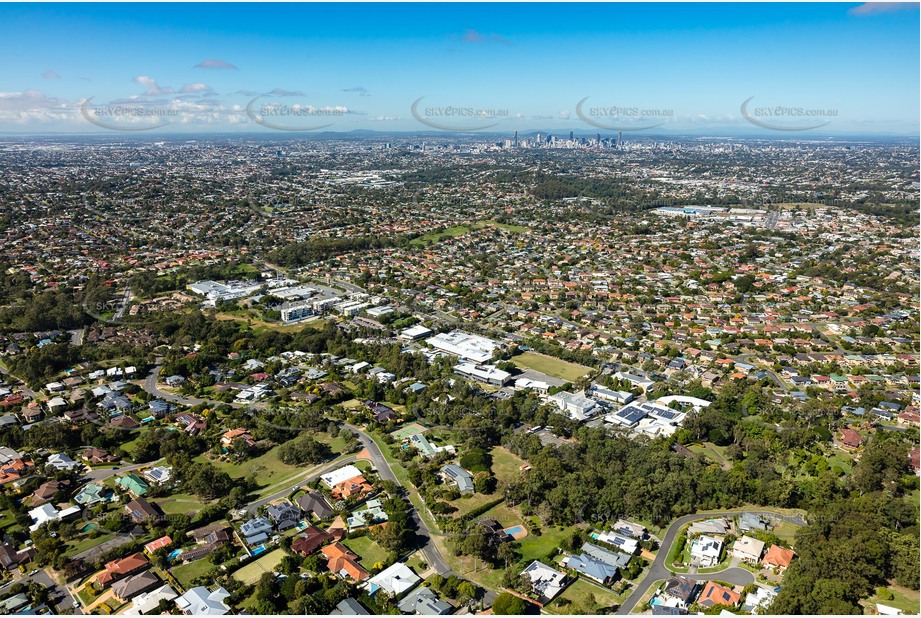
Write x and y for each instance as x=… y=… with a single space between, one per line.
x=33 y=572
x=75 y=604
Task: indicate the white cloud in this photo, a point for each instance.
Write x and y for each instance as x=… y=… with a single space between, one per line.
x=152 y=88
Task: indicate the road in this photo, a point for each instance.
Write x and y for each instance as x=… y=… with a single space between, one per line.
x=101 y=474
x=432 y=556
x=658 y=570
x=57 y=595
x=253 y=507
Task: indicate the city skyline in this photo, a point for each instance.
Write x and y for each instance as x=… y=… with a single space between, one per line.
x=797 y=71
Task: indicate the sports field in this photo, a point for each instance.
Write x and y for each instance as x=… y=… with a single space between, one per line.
x=251 y=573
x=555 y=367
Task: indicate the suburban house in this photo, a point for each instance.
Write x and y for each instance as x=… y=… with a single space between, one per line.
x=256 y=530
x=140 y=510
x=11 y=558
x=748 y=549
x=147 y=602
x=237 y=436
x=133 y=484
x=706 y=550
x=424 y=602
x=716 y=594
x=751 y=521
x=616 y=559
x=310 y=540
x=849 y=439
x=284 y=515
x=592 y=568
x=93 y=493
x=119 y=569
x=394 y=580
x=212 y=533
x=453 y=473
x=349 y=607
x=346 y=482
x=316 y=503
x=629 y=528
x=547 y=582
x=710 y=526
x=622 y=543
x=133 y=585
x=199 y=601
x=62 y=462
x=341 y=561
x=679 y=591
x=46 y=492
x=778 y=557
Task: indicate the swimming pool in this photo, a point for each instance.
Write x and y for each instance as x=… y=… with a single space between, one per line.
x=258 y=550
x=514 y=530
x=174 y=554
x=88 y=527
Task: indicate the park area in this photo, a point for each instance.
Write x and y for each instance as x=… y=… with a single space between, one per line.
x=554 y=367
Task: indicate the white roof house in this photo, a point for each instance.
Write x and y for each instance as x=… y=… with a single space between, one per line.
x=199 y=601
x=47 y=512
x=621 y=542
x=748 y=549
x=330 y=479
x=394 y=580
x=546 y=581
x=62 y=461
x=706 y=551
x=148 y=601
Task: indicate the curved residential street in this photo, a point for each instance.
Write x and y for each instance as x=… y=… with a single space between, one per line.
x=658 y=570
x=432 y=556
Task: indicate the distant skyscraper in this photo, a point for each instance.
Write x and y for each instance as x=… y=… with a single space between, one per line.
x=570 y=136
x=516 y=139
x=620 y=139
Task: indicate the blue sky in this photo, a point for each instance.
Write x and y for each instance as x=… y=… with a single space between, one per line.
x=682 y=68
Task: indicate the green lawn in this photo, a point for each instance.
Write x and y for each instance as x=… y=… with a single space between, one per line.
x=86 y=542
x=177 y=504
x=251 y=573
x=518 y=229
x=451 y=232
x=555 y=367
x=711 y=452
x=267 y=469
x=577 y=595
x=187 y=573
x=786 y=531
x=903 y=599
x=86 y=595
x=370 y=552
x=505 y=466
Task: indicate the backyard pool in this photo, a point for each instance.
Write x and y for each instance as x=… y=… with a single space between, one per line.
x=514 y=530
x=174 y=554
x=88 y=527
x=258 y=550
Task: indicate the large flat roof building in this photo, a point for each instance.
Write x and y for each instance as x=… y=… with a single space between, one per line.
x=470 y=347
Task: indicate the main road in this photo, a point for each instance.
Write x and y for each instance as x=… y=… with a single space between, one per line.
x=658 y=570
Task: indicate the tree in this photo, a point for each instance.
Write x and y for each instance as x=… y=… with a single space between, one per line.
x=507 y=604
